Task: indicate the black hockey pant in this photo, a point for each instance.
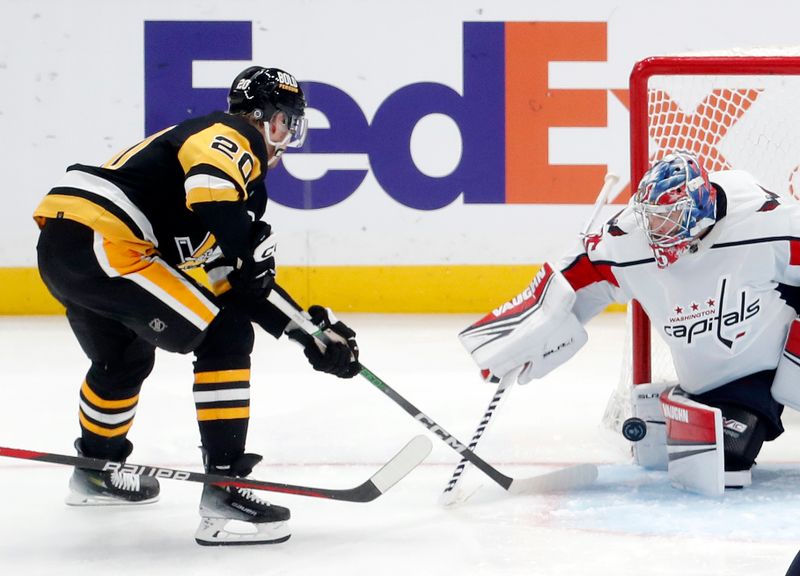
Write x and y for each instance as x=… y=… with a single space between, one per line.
x=120 y=315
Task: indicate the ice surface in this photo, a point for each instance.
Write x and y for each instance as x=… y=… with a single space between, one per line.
x=314 y=429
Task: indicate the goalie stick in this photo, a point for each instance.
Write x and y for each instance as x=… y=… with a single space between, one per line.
x=574 y=476
x=450 y=493
x=390 y=473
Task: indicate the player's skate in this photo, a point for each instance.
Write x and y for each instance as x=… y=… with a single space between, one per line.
x=97 y=488
x=232 y=515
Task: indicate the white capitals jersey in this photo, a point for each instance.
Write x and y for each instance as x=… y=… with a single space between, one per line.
x=717 y=307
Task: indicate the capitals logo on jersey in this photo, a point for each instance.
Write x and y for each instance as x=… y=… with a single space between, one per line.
x=724 y=318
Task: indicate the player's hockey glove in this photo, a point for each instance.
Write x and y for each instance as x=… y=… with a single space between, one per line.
x=254 y=275
x=340 y=356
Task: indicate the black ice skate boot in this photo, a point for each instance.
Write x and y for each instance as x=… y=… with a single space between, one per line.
x=96 y=488
x=232 y=515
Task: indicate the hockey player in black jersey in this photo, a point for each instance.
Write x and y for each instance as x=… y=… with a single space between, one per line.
x=114 y=245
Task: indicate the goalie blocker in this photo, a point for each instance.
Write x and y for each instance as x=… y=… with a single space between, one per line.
x=536 y=329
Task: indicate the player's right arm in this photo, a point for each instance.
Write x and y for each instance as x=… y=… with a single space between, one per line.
x=222 y=166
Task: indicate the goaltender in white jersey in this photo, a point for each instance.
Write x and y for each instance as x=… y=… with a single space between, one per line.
x=719 y=300
x=715 y=262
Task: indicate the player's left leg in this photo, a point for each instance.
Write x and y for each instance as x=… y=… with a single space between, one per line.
x=222 y=399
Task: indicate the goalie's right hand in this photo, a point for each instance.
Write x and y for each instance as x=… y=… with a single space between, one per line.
x=337 y=353
x=490 y=377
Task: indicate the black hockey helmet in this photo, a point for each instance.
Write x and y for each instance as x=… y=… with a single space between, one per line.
x=265 y=91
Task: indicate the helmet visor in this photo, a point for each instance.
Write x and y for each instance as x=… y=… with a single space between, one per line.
x=298 y=129
x=287 y=130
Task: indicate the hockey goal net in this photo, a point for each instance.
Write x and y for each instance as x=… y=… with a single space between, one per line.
x=734 y=111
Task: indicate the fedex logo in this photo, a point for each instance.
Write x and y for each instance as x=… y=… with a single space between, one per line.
x=504 y=111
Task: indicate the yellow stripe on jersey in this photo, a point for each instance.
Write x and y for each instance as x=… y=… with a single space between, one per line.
x=95 y=217
x=218 y=376
x=182 y=291
x=122 y=259
x=224 y=148
x=98 y=402
x=198 y=195
x=119 y=160
x=222 y=414
x=102 y=430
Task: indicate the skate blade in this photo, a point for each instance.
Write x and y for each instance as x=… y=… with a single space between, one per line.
x=227 y=532
x=80 y=499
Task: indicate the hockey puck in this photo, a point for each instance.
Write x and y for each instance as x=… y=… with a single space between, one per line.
x=634 y=429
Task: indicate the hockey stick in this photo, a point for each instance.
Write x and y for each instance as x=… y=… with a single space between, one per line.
x=450 y=493
x=571 y=477
x=390 y=473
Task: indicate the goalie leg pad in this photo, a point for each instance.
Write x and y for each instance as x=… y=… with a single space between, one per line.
x=651 y=451
x=694 y=444
x=710 y=448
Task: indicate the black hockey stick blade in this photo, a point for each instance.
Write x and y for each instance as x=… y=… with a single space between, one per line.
x=390 y=473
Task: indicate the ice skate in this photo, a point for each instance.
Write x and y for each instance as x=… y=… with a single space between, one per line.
x=231 y=515
x=97 y=488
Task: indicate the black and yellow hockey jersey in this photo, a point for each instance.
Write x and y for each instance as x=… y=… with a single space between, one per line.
x=183 y=193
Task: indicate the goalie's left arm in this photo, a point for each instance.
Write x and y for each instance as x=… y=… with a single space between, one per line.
x=537 y=327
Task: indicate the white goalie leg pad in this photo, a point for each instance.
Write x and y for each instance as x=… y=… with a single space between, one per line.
x=694 y=444
x=651 y=451
x=536 y=326
x=786 y=384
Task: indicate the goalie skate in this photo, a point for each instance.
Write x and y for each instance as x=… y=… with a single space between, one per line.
x=110 y=488
x=230 y=515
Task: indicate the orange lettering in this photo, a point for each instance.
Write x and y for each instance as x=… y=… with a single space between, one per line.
x=532 y=108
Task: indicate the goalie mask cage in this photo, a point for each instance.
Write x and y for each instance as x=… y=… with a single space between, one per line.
x=735 y=110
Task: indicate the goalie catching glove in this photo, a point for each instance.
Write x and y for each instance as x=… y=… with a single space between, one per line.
x=536 y=328
x=337 y=352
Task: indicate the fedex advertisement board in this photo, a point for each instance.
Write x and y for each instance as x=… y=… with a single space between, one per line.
x=503 y=148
